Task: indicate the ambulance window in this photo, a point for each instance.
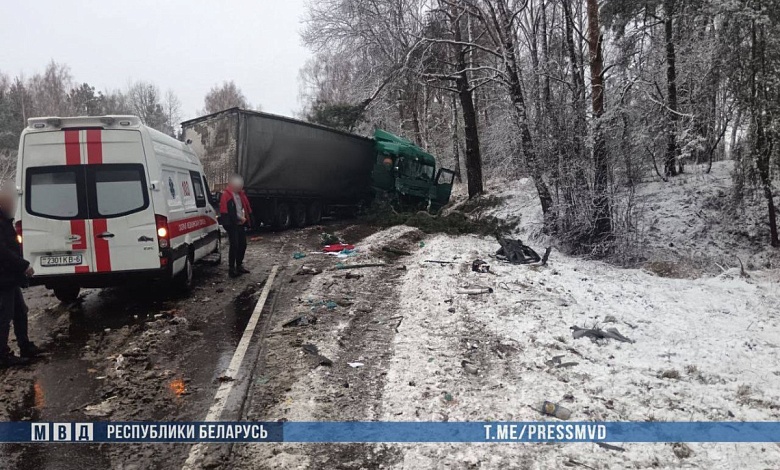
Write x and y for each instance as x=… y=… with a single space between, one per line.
x=197 y=188
x=53 y=192
x=119 y=190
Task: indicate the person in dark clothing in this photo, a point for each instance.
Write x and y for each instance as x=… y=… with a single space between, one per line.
x=14 y=274
x=235 y=212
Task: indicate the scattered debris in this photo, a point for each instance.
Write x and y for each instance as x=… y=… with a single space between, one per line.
x=604 y=445
x=610 y=319
x=225 y=378
x=516 y=252
x=355 y=365
x=360 y=266
x=475 y=290
x=597 y=333
x=101 y=410
x=298 y=255
x=682 y=450
x=302 y=320
x=479 y=266
x=329 y=238
x=314 y=351
x=555 y=410
x=309 y=271
x=396 y=251
x=469 y=367
x=353 y=276
x=433 y=261
x=337 y=248
x=670 y=374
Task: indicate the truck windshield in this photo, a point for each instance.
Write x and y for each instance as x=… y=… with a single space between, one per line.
x=415 y=169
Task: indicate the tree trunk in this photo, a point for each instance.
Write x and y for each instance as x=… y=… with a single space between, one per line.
x=455 y=138
x=518 y=100
x=470 y=129
x=602 y=217
x=672 y=148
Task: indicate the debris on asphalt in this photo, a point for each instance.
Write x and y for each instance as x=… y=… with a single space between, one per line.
x=337 y=247
x=309 y=271
x=303 y=320
x=597 y=333
x=341 y=266
x=475 y=290
x=479 y=266
x=353 y=276
x=329 y=238
x=298 y=255
x=355 y=365
x=552 y=409
x=434 y=261
x=314 y=351
x=225 y=378
x=101 y=410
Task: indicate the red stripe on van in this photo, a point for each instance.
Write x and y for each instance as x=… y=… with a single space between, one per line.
x=94 y=146
x=102 y=250
x=72 y=148
x=182 y=227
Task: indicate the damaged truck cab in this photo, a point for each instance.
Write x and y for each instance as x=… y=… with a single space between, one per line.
x=409 y=173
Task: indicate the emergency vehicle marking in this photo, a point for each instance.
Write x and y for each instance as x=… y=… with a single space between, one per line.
x=185 y=226
x=78 y=228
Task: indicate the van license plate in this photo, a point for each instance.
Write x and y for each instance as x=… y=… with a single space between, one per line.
x=65 y=260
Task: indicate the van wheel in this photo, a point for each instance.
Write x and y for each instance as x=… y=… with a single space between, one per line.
x=299 y=214
x=282 y=219
x=67 y=294
x=183 y=280
x=314 y=212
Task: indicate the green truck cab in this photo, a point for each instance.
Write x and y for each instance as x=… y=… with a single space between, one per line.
x=409 y=174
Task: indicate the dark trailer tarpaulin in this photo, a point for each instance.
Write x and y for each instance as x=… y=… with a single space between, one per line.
x=286 y=156
x=281 y=157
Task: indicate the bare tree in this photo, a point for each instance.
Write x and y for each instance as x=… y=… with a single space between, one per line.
x=224 y=96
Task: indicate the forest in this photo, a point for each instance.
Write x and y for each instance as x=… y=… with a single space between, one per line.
x=587 y=98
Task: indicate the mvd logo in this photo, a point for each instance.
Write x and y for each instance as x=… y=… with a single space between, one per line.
x=62 y=432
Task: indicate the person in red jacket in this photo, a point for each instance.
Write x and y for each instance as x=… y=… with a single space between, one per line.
x=235 y=212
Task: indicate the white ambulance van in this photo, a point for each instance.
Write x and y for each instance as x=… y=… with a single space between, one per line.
x=105 y=200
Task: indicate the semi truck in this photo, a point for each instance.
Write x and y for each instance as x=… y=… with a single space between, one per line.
x=295 y=172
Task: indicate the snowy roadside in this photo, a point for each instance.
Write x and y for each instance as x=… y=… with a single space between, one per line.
x=703 y=349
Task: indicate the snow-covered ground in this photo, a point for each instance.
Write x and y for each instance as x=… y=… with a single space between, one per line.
x=704 y=349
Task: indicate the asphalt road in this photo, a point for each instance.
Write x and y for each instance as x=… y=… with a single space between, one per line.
x=139 y=353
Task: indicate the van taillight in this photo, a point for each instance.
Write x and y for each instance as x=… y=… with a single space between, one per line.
x=18 y=227
x=162 y=230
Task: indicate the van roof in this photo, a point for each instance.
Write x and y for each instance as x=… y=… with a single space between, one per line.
x=50 y=123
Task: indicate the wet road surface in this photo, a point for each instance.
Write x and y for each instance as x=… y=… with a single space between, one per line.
x=135 y=353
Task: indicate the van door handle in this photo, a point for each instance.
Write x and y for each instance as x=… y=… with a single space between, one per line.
x=106 y=235
x=73 y=239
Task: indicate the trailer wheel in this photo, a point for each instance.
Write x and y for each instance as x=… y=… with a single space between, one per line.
x=314 y=212
x=67 y=294
x=299 y=215
x=282 y=219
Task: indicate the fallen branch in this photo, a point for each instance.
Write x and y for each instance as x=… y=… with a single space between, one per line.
x=439 y=262
x=396 y=251
x=360 y=266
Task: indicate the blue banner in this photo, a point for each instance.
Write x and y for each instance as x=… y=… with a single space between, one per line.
x=409 y=432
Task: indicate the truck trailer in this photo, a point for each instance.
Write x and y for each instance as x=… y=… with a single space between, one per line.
x=295 y=171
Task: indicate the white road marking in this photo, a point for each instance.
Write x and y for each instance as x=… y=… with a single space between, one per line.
x=226 y=387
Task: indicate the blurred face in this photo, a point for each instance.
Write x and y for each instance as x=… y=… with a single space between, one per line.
x=236 y=183
x=8 y=200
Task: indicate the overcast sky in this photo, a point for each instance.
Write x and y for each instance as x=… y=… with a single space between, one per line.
x=185 y=45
